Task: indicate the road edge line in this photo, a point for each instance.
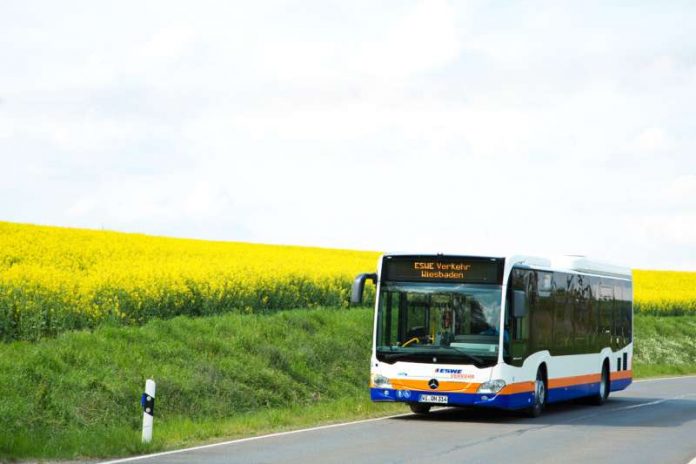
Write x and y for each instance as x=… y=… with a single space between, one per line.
x=259 y=437
x=665 y=378
x=310 y=429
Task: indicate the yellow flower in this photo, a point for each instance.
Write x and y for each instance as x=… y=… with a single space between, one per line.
x=54 y=279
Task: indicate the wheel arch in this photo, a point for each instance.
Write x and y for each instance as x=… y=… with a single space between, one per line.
x=544 y=368
x=606 y=364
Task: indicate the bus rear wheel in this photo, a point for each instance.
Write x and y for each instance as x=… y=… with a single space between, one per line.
x=539 y=396
x=419 y=408
x=603 y=392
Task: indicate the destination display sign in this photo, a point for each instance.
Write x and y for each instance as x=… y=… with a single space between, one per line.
x=442 y=269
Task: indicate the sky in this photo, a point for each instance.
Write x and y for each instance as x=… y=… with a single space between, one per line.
x=541 y=127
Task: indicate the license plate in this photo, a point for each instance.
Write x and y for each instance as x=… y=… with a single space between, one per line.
x=440 y=399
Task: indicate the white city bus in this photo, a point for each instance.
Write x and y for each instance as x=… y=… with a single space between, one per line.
x=515 y=333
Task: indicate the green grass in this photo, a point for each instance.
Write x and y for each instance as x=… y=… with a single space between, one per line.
x=78 y=394
x=664 y=345
x=219 y=377
x=179 y=432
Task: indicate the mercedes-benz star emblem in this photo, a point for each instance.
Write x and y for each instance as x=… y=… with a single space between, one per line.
x=433 y=384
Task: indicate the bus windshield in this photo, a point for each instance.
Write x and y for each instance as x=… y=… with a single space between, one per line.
x=438 y=323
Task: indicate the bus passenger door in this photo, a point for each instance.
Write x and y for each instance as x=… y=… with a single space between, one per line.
x=516 y=335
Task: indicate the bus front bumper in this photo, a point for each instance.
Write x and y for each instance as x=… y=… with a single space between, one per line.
x=502 y=401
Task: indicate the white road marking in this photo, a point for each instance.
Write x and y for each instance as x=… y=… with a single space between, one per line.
x=665 y=378
x=330 y=426
x=633 y=406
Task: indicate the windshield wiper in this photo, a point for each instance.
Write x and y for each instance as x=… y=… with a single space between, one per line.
x=392 y=356
x=471 y=357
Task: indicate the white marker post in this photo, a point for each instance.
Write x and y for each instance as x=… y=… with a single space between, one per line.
x=148 y=402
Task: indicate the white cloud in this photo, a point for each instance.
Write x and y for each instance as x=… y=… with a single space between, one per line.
x=133 y=199
x=299 y=59
x=650 y=141
x=409 y=126
x=7 y=128
x=424 y=39
x=168 y=43
x=684 y=188
x=671 y=232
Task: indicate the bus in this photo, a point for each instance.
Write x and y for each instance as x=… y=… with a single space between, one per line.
x=515 y=332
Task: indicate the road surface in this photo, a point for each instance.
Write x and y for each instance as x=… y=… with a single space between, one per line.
x=653 y=421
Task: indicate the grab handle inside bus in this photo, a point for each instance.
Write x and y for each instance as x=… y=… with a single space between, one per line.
x=356 y=296
x=519 y=304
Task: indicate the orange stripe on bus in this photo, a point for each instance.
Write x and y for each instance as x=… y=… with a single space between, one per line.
x=458 y=387
x=575 y=380
x=621 y=375
x=445 y=385
x=519 y=387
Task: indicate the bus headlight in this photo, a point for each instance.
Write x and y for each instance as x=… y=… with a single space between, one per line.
x=380 y=381
x=491 y=387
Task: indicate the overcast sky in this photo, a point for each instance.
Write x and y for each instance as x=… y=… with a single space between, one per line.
x=496 y=127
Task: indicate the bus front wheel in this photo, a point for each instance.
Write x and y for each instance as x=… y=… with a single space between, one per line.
x=419 y=408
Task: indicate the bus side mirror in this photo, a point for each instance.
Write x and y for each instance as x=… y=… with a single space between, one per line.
x=356 y=296
x=519 y=304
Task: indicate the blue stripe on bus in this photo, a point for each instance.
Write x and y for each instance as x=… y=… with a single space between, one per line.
x=572 y=391
x=620 y=384
x=513 y=401
x=584 y=389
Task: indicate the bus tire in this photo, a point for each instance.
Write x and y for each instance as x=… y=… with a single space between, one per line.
x=539 y=395
x=601 y=396
x=419 y=408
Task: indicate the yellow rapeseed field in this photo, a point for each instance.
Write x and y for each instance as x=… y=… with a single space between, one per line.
x=54 y=279
x=664 y=292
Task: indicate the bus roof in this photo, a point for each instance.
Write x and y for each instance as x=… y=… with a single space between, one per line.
x=572 y=263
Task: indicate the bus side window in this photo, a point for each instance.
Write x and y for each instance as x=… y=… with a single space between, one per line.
x=627 y=310
x=590 y=298
x=619 y=326
x=596 y=313
x=562 y=331
x=541 y=315
x=583 y=326
x=606 y=313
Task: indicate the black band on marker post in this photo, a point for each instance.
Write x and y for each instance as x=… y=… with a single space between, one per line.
x=148 y=404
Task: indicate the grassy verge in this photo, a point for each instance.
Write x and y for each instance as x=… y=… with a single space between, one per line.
x=664 y=345
x=180 y=432
x=219 y=377
x=78 y=394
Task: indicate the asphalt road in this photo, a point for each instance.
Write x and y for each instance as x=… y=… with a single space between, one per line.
x=650 y=422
